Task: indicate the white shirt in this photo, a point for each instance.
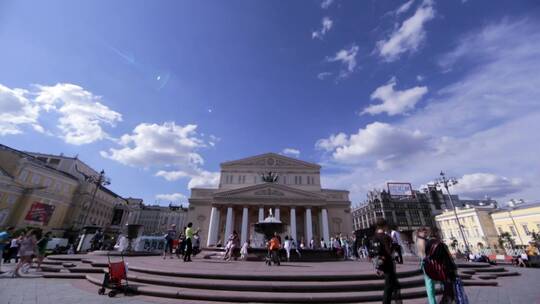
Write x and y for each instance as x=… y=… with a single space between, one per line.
x=14 y=243
x=395 y=237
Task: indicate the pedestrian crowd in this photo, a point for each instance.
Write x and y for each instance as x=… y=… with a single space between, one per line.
x=23 y=246
x=184 y=244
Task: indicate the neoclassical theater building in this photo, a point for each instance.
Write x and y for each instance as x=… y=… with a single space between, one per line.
x=242 y=199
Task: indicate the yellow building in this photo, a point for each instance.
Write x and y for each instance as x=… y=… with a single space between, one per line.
x=32 y=193
x=480 y=233
x=520 y=221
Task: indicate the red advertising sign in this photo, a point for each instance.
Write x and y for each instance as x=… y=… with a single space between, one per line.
x=40 y=212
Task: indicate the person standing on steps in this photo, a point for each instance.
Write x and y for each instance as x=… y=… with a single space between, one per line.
x=42 y=247
x=189 y=242
x=421 y=243
x=169 y=238
x=381 y=254
x=396 y=244
x=437 y=251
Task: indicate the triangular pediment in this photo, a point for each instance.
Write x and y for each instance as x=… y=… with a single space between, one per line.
x=269 y=190
x=270 y=160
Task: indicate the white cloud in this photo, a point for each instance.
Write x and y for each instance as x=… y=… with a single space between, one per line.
x=172 y=197
x=332 y=142
x=291 y=151
x=420 y=78
x=326 y=26
x=204 y=179
x=404 y=7
x=17 y=111
x=394 y=102
x=478 y=185
x=172 y=175
x=381 y=142
x=347 y=59
x=159 y=145
x=485 y=121
x=82 y=115
x=323 y=75
x=409 y=36
x=326 y=3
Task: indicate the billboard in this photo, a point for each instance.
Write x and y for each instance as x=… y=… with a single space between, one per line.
x=400 y=189
x=40 y=212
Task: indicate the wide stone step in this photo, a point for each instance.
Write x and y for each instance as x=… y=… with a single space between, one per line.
x=263 y=297
x=64 y=275
x=263 y=286
x=270 y=277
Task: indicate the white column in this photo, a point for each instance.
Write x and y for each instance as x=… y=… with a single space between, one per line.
x=261 y=214
x=309 y=226
x=326 y=233
x=276 y=213
x=212 y=227
x=243 y=235
x=228 y=224
x=293 y=225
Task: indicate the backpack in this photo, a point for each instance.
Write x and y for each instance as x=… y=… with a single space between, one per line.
x=433 y=268
x=375 y=248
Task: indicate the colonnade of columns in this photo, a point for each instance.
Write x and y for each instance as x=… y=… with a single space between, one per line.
x=215 y=216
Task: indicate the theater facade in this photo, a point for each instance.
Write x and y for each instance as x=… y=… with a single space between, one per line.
x=243 y=198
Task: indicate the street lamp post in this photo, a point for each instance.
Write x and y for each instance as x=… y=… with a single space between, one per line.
x=446 y=183
x=100 y=180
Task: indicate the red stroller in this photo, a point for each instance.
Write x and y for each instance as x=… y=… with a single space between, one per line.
x=113 y=279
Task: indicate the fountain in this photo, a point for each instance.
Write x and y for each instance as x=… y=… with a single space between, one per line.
x=269 y=226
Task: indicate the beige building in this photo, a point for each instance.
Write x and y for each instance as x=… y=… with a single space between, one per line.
x=108 y=208
x=33 y=193
x=156 y=219
x=480 y=233
x=242 y=199
x=518 y=220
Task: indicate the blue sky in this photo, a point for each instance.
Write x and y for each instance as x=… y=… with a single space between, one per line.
x=159 y=93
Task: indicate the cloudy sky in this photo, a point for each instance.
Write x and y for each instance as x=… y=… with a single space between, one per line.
x=158 y=93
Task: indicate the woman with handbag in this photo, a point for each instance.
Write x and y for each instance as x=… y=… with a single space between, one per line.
x=421 y=242
x=439 y=265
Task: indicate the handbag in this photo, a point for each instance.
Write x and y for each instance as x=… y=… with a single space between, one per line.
x=433 y=268
x=461 y=296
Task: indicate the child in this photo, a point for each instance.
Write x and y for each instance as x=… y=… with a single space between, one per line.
x=244 y=250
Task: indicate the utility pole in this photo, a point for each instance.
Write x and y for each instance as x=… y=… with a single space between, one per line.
x=100 y=180
x=446 y=183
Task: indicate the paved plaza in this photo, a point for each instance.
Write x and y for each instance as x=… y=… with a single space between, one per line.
x=38 y=290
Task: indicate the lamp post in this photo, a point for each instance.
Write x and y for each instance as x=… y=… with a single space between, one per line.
x=100 y=180
x=445 y=182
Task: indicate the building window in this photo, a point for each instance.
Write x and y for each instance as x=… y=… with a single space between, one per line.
x=54 y=161
x=500 y=230
x=23 y=176
x=513 y=230
x=526 y=229
x=298 y=180
x=47 y=182
x=36 y=179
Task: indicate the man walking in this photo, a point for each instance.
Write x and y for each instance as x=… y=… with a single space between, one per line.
x=381 y=254
x=396 y=244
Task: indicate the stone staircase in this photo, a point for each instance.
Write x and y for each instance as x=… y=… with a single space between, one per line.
x=271 y=287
